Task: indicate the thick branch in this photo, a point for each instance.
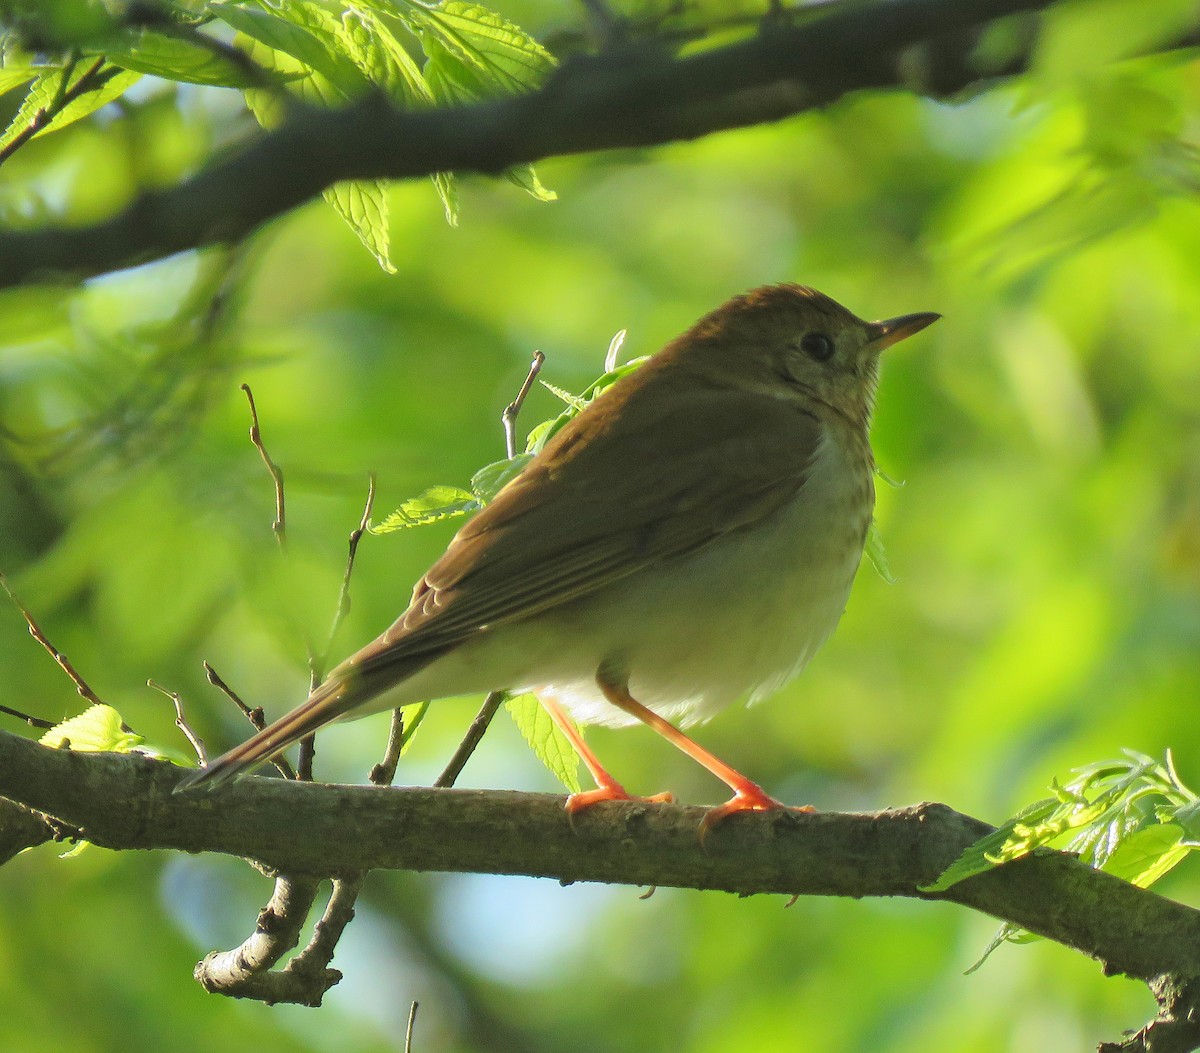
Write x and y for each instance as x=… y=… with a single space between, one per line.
x=636 y=97
x=125 y=802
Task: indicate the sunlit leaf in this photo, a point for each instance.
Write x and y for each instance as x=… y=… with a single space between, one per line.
x=48 y=89
x=492 y=478
x=435 y=504
x=363 y=204
x=876 y=553
x=546 y=739
x=173 y=57
x=98 y=729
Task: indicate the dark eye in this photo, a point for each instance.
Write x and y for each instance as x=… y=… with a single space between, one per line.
x=818 y=346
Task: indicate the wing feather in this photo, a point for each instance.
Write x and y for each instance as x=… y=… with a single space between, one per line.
x=652 y=483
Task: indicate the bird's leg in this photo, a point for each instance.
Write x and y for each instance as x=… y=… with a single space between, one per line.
x=607 y=788
x=747 y=796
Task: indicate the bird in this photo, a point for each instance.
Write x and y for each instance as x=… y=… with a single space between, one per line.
x=688 y=540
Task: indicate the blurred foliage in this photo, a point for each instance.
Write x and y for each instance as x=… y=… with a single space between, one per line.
x=1045 y=541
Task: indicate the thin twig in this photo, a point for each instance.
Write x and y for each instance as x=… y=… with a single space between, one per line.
x=279 y=527
x=385 y=771
x=181 y=722
x=479 y=725
x=32 y=721
x=343 y=603
x=408 y=1031
x=64 y=664
x=509 y=417
x=256 y=716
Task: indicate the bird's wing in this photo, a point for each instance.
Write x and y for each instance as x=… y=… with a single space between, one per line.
x=652 y=483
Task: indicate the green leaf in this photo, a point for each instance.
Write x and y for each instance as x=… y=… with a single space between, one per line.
x=489 y=54
x=14 y=76
x=576 y=402
x=98 y=729
x=363 y=204
x=492 y=478
x=1002 y=845
x=308 y=33
x=876 y=553
x=546 y=739
x=412 y=715
x=1147 y=854
x=173 y=58
x=48 y=89
x=544 y=432
x=473 y=54
x=436 y=503
x=446 y=185
x=526 y=178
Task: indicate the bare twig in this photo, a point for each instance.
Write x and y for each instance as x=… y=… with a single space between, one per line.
x=312 y=963
x=408 y=1031
x=245 y=971
x=385 y=771
x=279 y=526
x=181 y=722
x=28 y=718
x=64 y=663
x=509 y=417
x=256 y=716
x=479 y=725
x=343 y=603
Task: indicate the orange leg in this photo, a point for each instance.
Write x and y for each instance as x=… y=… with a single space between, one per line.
x=607 y=788
x=747 y=796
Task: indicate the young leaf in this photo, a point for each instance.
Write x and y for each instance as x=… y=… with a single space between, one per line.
x=876 y=553
x=436 y=503
x=98 y=729
x=413 y=715
x=488 y=54
x=48 y=89
x=492 y=478
x=363 y=204
x=174 y=58
x=1146 y=855
x=547 y=740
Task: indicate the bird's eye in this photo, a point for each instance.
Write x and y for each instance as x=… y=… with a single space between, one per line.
x=818 y=346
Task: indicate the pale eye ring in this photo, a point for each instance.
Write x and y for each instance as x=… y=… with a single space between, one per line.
x=818 y=346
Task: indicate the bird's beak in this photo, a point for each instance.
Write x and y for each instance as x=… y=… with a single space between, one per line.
x=893 y=330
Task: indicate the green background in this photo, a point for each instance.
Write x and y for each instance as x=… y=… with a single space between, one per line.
x=1045 y=542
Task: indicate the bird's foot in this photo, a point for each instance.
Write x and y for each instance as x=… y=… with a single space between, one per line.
x=613 y=791
x=746 y=798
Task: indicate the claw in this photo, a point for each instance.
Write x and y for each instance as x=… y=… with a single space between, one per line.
x=614 y=791
x=748 y=798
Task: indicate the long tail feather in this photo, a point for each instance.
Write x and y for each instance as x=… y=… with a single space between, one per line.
x=327 y=703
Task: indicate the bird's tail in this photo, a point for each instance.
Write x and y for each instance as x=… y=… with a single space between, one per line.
x=331 y=700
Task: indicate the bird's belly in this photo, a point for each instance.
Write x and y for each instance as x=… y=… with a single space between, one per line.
x=738 y=619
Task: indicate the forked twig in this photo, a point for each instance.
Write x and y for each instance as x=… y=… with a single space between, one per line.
x=181 y=722
x=279 y=527
x=385 y=771
x=509 y=417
